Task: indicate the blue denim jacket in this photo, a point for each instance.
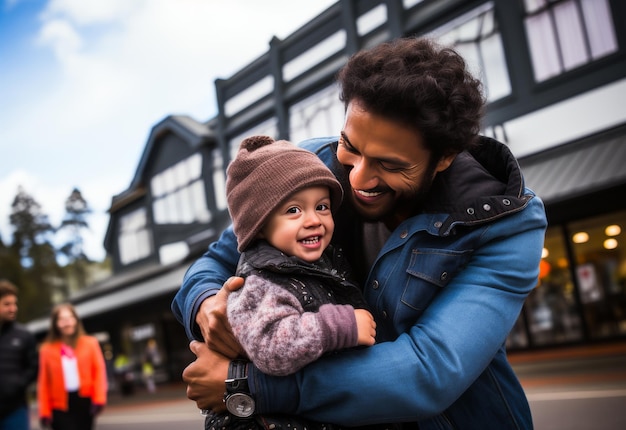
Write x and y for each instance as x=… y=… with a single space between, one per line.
x=445 y=291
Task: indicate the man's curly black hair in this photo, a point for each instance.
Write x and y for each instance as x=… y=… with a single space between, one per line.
x=421 y=84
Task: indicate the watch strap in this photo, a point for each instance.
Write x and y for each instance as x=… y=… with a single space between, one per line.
x=237 y=381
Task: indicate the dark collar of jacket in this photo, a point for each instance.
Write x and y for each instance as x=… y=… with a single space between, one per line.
x=480 y=186
x=262 y=256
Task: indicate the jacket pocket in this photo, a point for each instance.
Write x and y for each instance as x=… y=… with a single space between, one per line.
x=428 y=272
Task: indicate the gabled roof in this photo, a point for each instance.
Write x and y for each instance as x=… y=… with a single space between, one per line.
x=194 y=133
x=189 y=130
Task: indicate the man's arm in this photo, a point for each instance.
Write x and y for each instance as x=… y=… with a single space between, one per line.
x=204 y=279
x=426 y=369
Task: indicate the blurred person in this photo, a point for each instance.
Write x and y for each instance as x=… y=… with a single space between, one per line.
x=18 y=362
x=147 y=373
x=444 y=237
x=72 y=384
x=299 y=300
x=124 y=376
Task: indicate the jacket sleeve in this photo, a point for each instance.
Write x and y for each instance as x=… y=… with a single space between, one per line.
x=428 y=367
x=31 y=360
x=43 y=384
x=203 y=279
x=277 y=334
x=98 y=369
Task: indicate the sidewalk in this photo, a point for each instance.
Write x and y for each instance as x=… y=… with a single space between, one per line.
x=574 y=367
x=164 y=393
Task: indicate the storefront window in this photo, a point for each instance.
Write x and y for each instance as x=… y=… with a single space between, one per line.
x=600 y=268
x=551 y=308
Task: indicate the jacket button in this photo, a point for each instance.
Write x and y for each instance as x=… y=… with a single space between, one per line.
x=404 y=234
x=470 y=211
x=375 y=284
x=443 y=276
x=506 y=202
x=438 y=224
x=384 y=313
x=487 y=207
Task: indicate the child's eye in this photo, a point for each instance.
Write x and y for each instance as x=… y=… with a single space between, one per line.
x=293 y=210
x=323 y=207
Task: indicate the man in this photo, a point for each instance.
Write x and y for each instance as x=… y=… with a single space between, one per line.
x=18 y=362
x=447 y=240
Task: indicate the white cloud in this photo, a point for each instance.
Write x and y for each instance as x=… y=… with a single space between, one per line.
x=114 y=69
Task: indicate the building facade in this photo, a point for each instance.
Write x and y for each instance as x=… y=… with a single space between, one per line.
x=555 y=78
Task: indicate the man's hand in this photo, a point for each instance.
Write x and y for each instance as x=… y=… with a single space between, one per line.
x=213 y=321
x=205 y=377
x=366 y=327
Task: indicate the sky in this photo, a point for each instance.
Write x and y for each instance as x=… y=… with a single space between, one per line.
x=82 y=82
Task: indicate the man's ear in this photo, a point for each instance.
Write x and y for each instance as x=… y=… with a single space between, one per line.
x=444 y=162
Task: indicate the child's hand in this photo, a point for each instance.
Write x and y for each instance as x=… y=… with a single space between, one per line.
x=366 y=327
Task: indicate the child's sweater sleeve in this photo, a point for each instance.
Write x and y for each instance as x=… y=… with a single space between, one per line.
x=278 y=336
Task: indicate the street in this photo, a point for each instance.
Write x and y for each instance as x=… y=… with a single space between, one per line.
x=597 y=409
x=579 y=410
x=179 y=414
x=565 y=393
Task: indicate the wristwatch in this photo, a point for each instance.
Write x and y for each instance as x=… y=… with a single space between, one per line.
x=237 y=397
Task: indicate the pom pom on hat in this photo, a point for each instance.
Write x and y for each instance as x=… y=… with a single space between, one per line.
x=264 y=174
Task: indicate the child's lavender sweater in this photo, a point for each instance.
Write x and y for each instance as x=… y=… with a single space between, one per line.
x=290 y=312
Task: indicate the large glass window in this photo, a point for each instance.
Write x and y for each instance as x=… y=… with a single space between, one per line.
x=219 y=179
x=319 y=115
x=565 y=34
x=476 y=37
x=179 y=195
x=551 y=309
x=266 y=128
x=600 y=268
x=134 y=239
x=581 y=292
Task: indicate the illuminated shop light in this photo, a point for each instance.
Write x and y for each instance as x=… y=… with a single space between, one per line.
x=581 y=237
x=610 y=243
x=613 y=230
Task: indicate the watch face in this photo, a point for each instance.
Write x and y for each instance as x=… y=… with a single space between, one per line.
x=240 y=405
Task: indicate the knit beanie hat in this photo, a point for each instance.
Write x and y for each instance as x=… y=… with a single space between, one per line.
x=263 y=175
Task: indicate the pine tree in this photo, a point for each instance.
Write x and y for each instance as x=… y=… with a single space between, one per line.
x=33 y=248
x=74 y=221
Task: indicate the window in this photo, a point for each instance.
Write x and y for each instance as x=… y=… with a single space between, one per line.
x=584 y=294
x=266 y=128
x=565 y=34
x=551 y=308
x=134 y=238
x=600 y=270
x=219 y=179
x=179 y=195
x=476 y=37
x=321 y=114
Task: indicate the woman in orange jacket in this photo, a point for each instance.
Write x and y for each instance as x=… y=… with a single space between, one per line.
x=72 y=382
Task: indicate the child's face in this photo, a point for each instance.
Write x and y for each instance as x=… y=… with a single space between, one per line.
x=303 y=225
